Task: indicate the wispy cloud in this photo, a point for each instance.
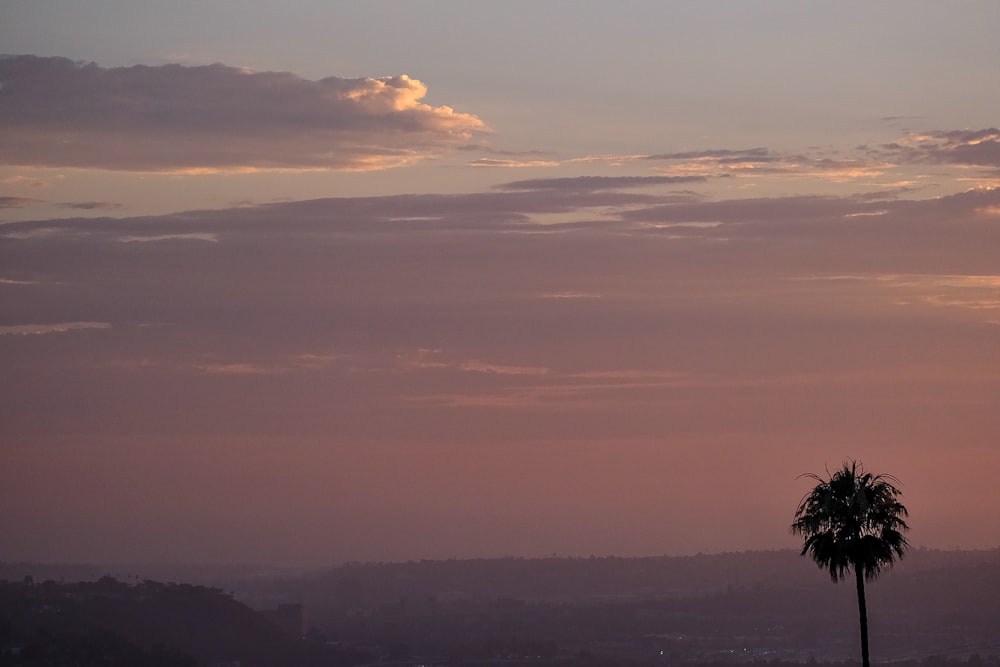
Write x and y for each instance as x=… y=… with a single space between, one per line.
x=227 y=365
x=568 y=295
x=436 y=359
x=764 y=162
x=971 y=148
x=25 y=182
x=975 y=292
x=170 y=237
x=173 y=118
x=511 y=163
x=90 y=205
x=60 y=327
x=706 y=164
x=238 y=368
x=477 y=366
x=482 y=147
x=17 y=202
x=594 y=183
x=759 y=154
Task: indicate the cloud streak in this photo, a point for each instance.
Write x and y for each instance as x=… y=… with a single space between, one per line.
x=89 y=205
x=508 y=163
x=596 y=183
x=963 y=148
x=60 y=113
x=61 y=327
x=17 y=202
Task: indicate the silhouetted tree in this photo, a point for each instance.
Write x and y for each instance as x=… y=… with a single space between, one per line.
x=853 y=521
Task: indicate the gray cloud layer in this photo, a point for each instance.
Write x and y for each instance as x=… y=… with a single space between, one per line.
x=56 y=112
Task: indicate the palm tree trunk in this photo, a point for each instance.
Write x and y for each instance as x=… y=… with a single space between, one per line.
x=863 y=611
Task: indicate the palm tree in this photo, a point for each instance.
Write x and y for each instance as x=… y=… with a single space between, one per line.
x=853 y=521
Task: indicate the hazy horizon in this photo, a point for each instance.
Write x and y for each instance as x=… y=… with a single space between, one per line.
x=918 y=559
x=392 y=281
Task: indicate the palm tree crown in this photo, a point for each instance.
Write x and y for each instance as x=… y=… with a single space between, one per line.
x=853 y=520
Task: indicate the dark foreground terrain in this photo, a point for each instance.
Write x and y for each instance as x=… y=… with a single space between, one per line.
x=935 y=609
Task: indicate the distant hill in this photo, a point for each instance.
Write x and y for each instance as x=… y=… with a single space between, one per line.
x=568 y=579
x=150 y=623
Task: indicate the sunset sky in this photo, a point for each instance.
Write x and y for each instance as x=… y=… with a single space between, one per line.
x=299 y=283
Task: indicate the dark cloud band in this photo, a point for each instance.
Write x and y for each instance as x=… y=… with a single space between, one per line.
x=60 y=113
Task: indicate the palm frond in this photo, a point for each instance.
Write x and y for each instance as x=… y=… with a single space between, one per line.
x=852 y=520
